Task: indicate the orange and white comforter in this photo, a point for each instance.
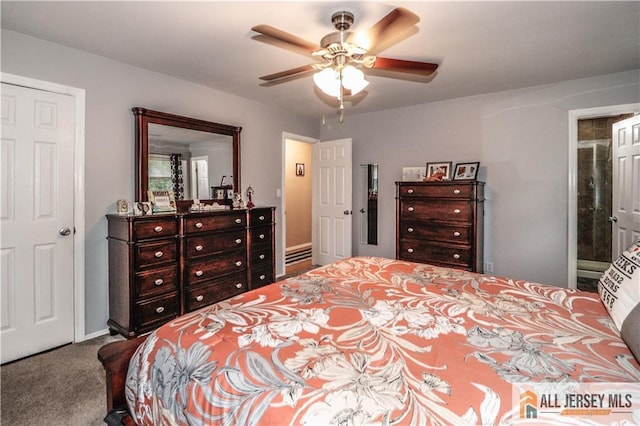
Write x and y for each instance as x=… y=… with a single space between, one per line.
x=373 y=341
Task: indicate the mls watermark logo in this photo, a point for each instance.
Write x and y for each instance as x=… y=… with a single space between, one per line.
x=545 y=403
x=528 y=405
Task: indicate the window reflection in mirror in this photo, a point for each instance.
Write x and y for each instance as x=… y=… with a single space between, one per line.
x=369 y=204
x=188 y=162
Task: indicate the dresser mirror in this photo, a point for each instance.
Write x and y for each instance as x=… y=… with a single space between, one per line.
x=195 y=159
x=369 y=204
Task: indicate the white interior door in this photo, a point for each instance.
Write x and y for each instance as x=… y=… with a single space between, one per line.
x=37 y=254
x=626 y=188
x=200 y=178
x=331 y=205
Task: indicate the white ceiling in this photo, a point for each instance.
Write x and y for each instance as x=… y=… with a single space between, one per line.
x=481 y=47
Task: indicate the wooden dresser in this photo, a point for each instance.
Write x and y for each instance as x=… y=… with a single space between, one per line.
x=441 y=223
x=165 y=265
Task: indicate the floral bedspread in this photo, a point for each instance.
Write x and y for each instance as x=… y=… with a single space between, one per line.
x=373 y=341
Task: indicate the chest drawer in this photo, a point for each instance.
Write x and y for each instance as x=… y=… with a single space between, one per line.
x=155 y=228
x=155 y=311
x=261 y=256
x=261 y=216
x=156 y=281
x=199 y=224
x=460 y=211
x=438 y=190
x=205 y=245
x=215 y=291
x=158 y=253
x=261 y=235
x=261 y=276
x=435 y=253
x=215 y=266
x=452 y=232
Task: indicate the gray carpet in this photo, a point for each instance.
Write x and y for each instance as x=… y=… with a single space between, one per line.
x=64 y=386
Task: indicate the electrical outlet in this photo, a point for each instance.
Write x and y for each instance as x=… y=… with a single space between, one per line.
x=488 y=266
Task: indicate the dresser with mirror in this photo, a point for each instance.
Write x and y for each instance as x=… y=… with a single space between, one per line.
x=163 y=265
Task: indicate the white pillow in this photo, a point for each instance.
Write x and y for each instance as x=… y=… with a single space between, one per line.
x=619 y=289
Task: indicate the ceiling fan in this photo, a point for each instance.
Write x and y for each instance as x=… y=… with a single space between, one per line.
x=342 y=56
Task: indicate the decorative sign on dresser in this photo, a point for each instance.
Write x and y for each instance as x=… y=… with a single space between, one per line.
x=441 y=223
x=164 y=265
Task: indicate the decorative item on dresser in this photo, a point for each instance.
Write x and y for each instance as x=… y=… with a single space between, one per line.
x=165 y=265
x=441 y=223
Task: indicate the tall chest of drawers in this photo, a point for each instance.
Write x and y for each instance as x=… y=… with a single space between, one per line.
x=441 y=223
x=164 y=265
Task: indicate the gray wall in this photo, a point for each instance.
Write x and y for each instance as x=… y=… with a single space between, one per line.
x=521 y=140
x=112 y=89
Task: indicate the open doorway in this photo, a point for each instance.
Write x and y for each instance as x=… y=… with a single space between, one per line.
x=590 y=193
x=297 y=204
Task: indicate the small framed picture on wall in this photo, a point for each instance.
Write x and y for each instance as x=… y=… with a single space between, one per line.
x=299 y=169
x=466 y=171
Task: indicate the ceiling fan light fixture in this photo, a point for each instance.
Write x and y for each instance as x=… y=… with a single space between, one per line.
x=353 y=79
x=328 y=80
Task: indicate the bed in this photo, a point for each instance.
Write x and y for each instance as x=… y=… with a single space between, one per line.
x=369 y=340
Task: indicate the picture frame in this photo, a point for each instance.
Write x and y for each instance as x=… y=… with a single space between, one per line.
x=439 y=171
x=466 y=171
x=162 y=201
x=299 y=169
x=142 y=208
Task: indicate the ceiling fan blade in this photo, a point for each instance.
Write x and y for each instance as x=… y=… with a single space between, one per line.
x=400 y=65
x=283 y=39
x=287 y=75
x=391 y=29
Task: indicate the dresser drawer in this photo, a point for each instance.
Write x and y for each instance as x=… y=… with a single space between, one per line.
x=198 y=224
x=435 y=253
x=152 y=312
x=156 y=281
x=261 y=256
x=156 y=228
x=436 y=190
x=212 y=292
x=261 y=235
x=260 y=216
x=454 y=232
x=205 y=245
x=261 y=276
x=458 y=211
x=157 y=253
x=226 y=263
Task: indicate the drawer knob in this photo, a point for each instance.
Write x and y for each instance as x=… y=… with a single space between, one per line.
x=409 y=250
x=199 y=248
x=409 y=229
x=157 y=229
x=456 y=256
x=199 y=273
x=261 y=236
x=159 y=281
x=261 y=217
x=456 y=191
x=238 y=263
x=238 y=220
x=158 y=254
x=262 y=256
x=238 y=241
x=239 y=285
x=410 y=191
x=200 y=298
x=160 y=309
x=456 y=211
x=456 y=234
x=262 y=277
x=410 y=208
x=198 y=225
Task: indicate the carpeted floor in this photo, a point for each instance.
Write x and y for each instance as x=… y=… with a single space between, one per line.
x=64 y=386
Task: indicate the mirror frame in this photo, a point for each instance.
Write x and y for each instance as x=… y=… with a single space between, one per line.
x=145 y=116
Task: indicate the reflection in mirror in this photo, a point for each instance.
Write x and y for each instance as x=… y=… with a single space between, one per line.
x=369 y=207
x=195 y=159
x=188 y=162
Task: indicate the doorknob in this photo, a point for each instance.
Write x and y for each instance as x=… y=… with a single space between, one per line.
x=361 y=210
x=613 y=219
x=64 y=231
x=346 y=212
